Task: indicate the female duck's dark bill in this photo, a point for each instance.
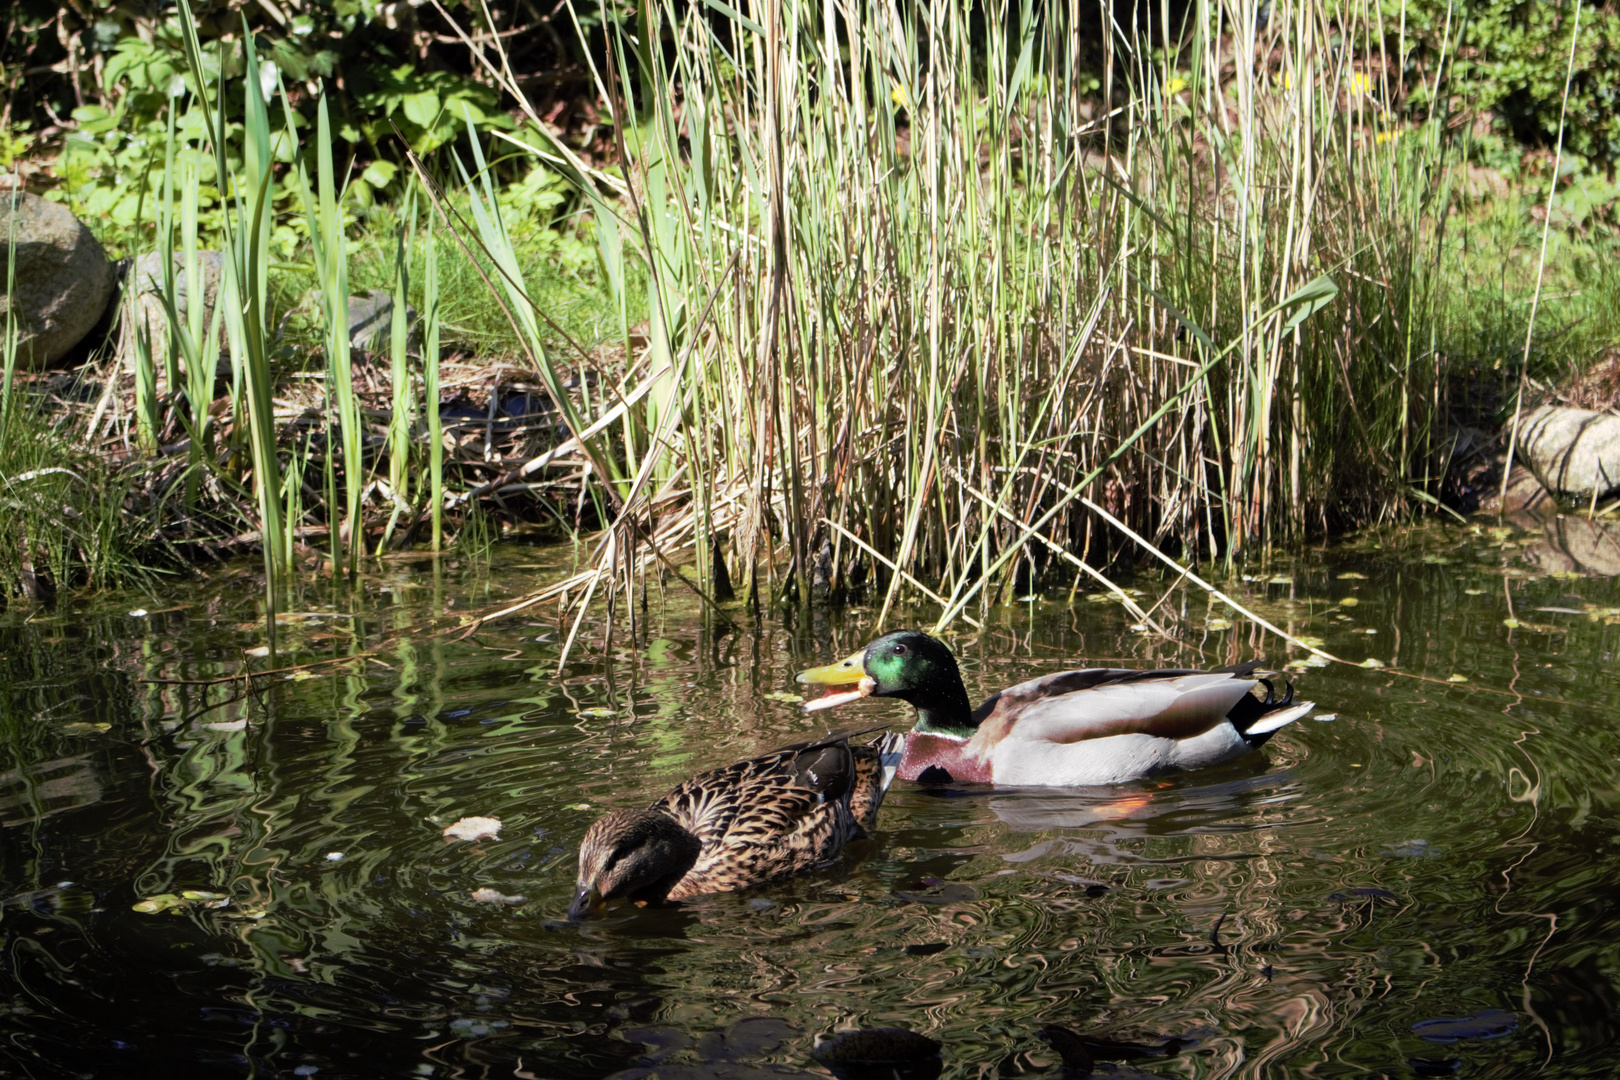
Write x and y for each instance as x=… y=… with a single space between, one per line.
x=587 y=901
x=850 y=671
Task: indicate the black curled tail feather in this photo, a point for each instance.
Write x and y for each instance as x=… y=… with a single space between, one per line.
x=1250 y=709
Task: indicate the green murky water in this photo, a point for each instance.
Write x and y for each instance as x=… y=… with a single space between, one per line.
x=1443 y=850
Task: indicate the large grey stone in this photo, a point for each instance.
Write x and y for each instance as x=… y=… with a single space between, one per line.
x=148 y=273
x=1573 y=452
x=371 y=320
x=146 y=307
x=62 y=277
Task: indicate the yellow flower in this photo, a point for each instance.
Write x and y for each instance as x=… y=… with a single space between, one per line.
x=1176 y=85
x=1361 y=84
x=1390 y=135
x=899 y=96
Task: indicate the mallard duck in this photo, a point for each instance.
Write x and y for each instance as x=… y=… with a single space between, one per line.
x=770 y=816
x=1095 y=726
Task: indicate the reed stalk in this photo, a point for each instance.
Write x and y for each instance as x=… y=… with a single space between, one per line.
x=430 y=378
x=324 y=208
x=244 y=293
x=8 y=345
x=404 y=404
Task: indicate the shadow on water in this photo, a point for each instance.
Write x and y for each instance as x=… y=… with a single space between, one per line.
x=1423 y=886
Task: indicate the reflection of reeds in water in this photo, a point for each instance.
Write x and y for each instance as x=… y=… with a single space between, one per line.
x=1278 y=912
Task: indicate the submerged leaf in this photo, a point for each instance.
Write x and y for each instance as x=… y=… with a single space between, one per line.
x=473 y=828
x=495 y=896
x=1485 y=1024
x=178 y=902
x=154 y=905
x=202 y=895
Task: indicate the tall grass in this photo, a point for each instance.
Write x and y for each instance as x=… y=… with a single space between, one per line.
x=958 y=298
x=926 y=298
x=324 y=208
x=244 y=292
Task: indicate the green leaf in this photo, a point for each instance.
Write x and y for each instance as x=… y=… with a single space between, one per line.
x=1310 y=298
x=732 y=13
x=93 y=118
x=422 y=108
x=379 y=174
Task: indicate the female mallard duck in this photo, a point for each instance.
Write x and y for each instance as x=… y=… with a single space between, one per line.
x=774 y=815
x=1096 y=726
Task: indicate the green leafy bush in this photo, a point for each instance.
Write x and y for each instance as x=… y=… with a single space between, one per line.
x=1508 y=61
x=110 y=70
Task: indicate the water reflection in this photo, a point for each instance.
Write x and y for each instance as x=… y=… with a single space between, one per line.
x=1438 y=861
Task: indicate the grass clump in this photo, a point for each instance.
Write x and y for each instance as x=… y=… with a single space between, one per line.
x=63 y=520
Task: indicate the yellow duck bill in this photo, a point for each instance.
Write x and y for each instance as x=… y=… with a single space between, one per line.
x=850 y=671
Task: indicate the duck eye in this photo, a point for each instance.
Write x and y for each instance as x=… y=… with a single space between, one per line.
x=899 y=650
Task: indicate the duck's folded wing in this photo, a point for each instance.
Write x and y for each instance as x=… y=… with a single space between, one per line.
x=741 y=802
x=776 y=814
x=1170 y=705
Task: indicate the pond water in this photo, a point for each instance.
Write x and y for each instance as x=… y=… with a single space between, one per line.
x=1424 y=885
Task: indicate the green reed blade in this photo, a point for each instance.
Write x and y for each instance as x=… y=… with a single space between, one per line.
x=430 y=376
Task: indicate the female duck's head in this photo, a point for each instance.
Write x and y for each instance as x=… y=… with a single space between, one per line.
x=639 y=854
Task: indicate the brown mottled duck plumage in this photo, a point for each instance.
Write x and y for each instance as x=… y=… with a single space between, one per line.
x=770 y=816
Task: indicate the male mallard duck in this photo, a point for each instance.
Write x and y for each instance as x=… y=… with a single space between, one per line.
x=1096 y=726
x=774 y=815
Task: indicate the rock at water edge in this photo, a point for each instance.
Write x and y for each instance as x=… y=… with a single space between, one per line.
x=1573 y=452
x=62 y=277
